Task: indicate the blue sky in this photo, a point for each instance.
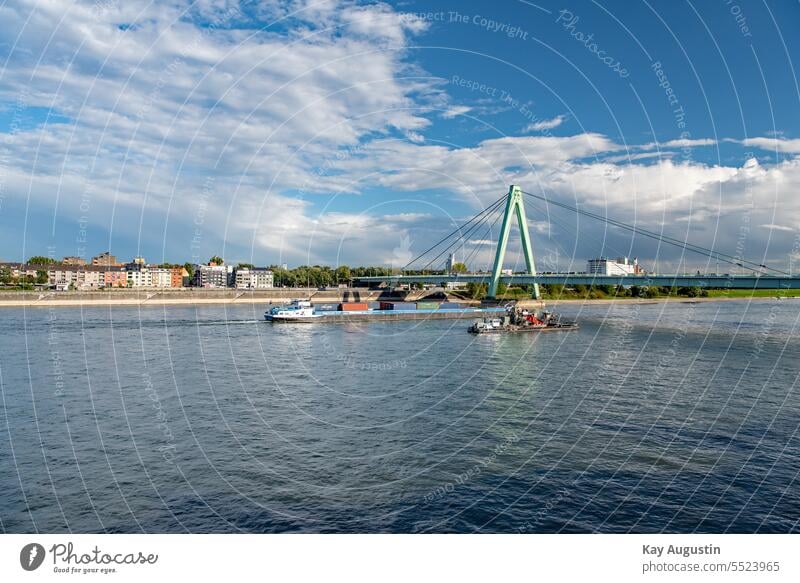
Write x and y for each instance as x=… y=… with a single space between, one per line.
x=333 y=131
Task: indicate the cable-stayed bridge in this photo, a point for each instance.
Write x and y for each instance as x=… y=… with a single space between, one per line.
x=512 y=206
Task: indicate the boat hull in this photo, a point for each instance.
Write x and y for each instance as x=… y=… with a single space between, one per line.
x=523 y=329
x=386 y=316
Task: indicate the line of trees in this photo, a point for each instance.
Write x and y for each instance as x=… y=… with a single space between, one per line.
x=25 y=282
x=610 y=291
x=478 y=291
x=323 y=275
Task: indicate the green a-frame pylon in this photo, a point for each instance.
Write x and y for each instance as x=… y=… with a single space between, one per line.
x=514 y=206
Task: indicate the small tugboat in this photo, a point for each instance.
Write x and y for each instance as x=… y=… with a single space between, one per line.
x=518 y=320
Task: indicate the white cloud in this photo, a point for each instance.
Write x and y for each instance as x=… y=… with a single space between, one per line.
x=774 y=144
x=778 y=228
x=545 y=124
x=415 y=137
x=631 y=157
x=687 y=143
x=679 y=143
x=157 y=108
x=455 y=111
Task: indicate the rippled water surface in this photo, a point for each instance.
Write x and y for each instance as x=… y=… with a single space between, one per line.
x=651 y=417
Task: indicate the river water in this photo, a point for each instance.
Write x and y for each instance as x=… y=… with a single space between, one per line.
x=650 y=418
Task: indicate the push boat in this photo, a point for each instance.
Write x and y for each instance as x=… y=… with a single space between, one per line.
x=518 y=320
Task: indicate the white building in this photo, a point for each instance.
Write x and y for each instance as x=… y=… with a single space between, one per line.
x=253 y=278
x=140 y=278
x=618 y=266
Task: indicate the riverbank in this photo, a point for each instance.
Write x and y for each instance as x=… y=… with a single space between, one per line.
x=66 y=299
x=199 y=297
x=671 y=299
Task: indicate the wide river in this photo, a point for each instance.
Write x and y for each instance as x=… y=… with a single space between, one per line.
x=650 y=418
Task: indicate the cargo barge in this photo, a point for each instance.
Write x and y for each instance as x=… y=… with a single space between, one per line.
x=301 y=311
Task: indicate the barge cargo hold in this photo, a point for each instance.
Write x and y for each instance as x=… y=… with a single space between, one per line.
x=303 y=312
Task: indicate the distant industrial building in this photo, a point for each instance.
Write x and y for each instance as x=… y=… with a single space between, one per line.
x=72 y=260
x=451 y=261
x=253 y=278
x=618 y=266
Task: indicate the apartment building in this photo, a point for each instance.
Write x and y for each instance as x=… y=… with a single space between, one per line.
x=105 y=259
x=65 y=277
x=166 y=276
x=212 y=276
x=115 y=277
x=139 y=277
x=253 y=278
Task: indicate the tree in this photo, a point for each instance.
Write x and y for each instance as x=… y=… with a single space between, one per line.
x=343 y=274
x=41 y=260
x=245 y=266
x=189 y=269
x=217 y=259
x=476 y=290
x=459 y=268
x=41 y=277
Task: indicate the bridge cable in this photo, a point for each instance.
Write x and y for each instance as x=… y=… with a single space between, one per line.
x=488 y=209
x=664 y=238
x=551 y=217
x=660 y=237
x=464 y=236
x=486 y=233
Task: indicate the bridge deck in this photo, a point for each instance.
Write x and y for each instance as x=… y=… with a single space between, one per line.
x=666 y=280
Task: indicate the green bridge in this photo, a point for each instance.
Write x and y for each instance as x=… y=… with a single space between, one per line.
x=515 y=210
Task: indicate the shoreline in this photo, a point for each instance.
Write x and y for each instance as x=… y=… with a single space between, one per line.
x=676 y=300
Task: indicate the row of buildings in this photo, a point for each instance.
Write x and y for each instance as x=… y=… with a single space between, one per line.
x=213 y=275
x=104 y=271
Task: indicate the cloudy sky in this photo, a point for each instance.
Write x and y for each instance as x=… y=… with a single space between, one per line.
x=306 y=131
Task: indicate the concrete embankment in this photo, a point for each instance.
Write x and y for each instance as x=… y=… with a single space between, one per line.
x=189 y=296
